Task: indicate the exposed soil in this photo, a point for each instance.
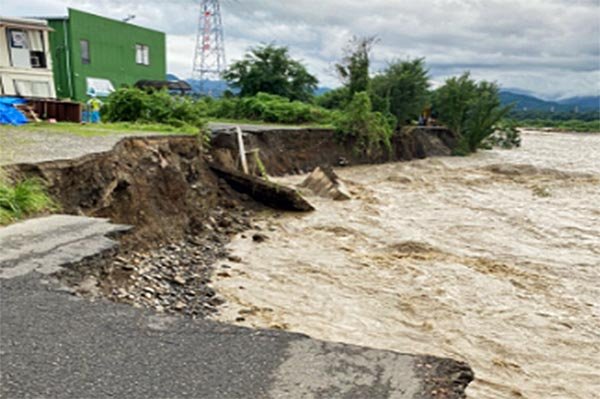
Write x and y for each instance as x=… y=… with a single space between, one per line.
x=161 y=186
x=182 y=216
x=181 y=212
x=297 y=151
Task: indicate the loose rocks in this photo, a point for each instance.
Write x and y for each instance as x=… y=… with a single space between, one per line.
x=172 y=278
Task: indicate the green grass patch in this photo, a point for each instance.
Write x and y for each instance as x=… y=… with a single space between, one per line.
x=107 y=129
x=22 y=199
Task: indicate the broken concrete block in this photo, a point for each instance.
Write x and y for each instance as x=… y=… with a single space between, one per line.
x=325 y=183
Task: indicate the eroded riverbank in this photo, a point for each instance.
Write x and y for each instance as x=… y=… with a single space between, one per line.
x=491 y=259
x=181 y=214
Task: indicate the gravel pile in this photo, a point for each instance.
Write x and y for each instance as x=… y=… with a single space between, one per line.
x=173 y=278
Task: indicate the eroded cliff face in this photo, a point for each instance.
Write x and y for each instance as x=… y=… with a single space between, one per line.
x=296 y=151
x=164 y=187
x=160 y=185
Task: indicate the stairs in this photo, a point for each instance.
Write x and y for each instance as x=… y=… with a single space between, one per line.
x=29 y=113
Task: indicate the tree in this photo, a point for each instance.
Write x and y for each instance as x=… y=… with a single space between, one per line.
x=469 y=109
x=354 y=67
x=402 y=89
x=334 y=99
x=270 y=69
x=370 y=130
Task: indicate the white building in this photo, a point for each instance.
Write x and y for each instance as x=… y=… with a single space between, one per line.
x=25 y=59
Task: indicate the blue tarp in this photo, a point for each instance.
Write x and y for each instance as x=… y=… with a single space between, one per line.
x=9 y=114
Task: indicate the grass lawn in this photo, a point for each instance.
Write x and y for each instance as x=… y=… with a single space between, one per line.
x=105 y=129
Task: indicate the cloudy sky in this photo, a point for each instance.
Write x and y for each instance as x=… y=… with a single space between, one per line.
x=549 y=47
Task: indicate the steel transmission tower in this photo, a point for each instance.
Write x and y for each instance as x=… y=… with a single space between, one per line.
x=209 y=56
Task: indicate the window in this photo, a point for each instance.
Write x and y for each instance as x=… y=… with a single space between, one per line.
x=32 y=88
x=18 y=39
x=38 y=59
x=99 y=87
x=84 y=46
x=19 y=49
x=142 y=54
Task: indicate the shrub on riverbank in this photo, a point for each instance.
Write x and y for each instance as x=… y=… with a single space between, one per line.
x=264 y=108
x=138 y=106
x=370 y=130
x=469 y=109
x=22 y=199
x=506 y=135
x=135 y=105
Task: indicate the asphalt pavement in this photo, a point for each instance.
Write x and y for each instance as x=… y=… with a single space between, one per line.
x=54 y=344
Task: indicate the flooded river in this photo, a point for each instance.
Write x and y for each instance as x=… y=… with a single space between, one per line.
x=492 y=259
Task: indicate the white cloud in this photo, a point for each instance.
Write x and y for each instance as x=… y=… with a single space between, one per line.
x=551 y=47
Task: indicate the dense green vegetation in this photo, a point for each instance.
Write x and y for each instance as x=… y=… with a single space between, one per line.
x=370 y=130
x=270 y=69
x=470 y=109
x=21 y=199
x=264 y=107
x=402 y=90
x=274 y=88
x=141 y=107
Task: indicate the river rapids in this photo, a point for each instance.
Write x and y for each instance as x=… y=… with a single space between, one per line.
x=493 y=259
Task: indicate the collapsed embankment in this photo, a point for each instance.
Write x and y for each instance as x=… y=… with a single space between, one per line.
x=183 y=214
x=165 y=188
x=184 y=206
x=295 y=151
x=160 y=185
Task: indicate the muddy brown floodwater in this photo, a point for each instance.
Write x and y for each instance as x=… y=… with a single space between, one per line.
x=492 y=259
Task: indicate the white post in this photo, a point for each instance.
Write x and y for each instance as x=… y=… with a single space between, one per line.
x=242 y=149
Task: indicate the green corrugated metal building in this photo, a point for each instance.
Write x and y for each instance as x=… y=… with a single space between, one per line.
x=96 y=54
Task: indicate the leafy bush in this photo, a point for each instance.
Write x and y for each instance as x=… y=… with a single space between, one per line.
x=264 y=108
x=506 y=135
x=334 y=99
x=135 y=105
x=402 y=90
x=371 y=130
x=22 y=199
x=469 y=109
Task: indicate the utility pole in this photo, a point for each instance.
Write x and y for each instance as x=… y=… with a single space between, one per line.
x=209 y=55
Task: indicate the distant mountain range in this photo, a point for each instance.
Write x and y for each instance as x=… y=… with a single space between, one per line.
x=528 y=102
